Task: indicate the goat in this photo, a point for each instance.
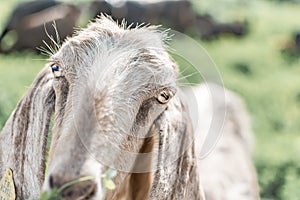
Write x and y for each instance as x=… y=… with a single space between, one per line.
x=227 y=173
x=116 y=103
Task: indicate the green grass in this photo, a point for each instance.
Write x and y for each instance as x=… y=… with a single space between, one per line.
x=253 y=66
x=270 y=86
x=17 y=72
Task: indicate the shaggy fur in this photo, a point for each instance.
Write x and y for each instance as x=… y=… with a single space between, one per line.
x=108 y=88
x=107 y=113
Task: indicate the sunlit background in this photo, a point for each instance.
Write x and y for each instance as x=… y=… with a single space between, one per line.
x=261 y=63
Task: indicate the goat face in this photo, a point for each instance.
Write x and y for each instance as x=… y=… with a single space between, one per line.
x=111 y=85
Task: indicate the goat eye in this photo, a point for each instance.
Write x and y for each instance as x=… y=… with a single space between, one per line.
x=164 y=96
x=56 y=70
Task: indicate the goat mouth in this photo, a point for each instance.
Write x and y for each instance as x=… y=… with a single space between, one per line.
x=91 y=193
x=86 y=193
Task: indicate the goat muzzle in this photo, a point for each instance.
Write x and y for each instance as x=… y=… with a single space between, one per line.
x=77 y=191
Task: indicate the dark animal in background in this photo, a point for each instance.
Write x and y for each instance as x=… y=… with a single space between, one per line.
x=209 y=28
x=178 y=15
x=30 y=22
x=23 y=10
x=290 y=49
x=297 y=39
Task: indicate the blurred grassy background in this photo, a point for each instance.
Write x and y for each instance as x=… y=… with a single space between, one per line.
x=253 y=66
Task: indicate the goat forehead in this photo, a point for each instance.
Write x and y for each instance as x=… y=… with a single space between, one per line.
x=124 y=64
x=105 y=41
x=134 y=67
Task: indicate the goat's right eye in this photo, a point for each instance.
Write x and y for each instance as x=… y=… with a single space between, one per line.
x=56 y=70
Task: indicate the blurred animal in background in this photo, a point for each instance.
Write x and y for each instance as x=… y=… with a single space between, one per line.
x=31 y=23
x=210 y=29
x=227 y=173
x=290 y=49
x=297 y=39
x=178 y=15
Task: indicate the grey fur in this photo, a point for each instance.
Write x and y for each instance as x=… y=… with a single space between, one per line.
x=107 y=114
x=106 y=105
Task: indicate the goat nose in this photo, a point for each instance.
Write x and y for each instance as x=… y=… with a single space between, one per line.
x=79 y=190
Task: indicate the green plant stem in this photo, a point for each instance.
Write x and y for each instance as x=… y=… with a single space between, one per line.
x=86 y=178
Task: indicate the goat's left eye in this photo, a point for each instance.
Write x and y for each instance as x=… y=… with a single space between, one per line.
x=56 y=70
x=164 y=96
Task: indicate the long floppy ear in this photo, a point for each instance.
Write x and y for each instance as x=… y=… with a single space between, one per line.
x=24 y=137
x=177 y=175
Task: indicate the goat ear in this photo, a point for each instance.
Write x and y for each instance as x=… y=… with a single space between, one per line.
x=24 y=137
x=177 y=162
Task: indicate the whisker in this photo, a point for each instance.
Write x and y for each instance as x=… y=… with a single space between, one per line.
x=188 y=84
x=41 y=59
x=58 y=42
x=50 y=37
x=56 y=46
x=52 y=48
x=184 y=70
x=187 y=76
x=44 y=51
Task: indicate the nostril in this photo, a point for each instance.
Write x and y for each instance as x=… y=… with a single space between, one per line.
x=51 y=182
x=56 y=181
